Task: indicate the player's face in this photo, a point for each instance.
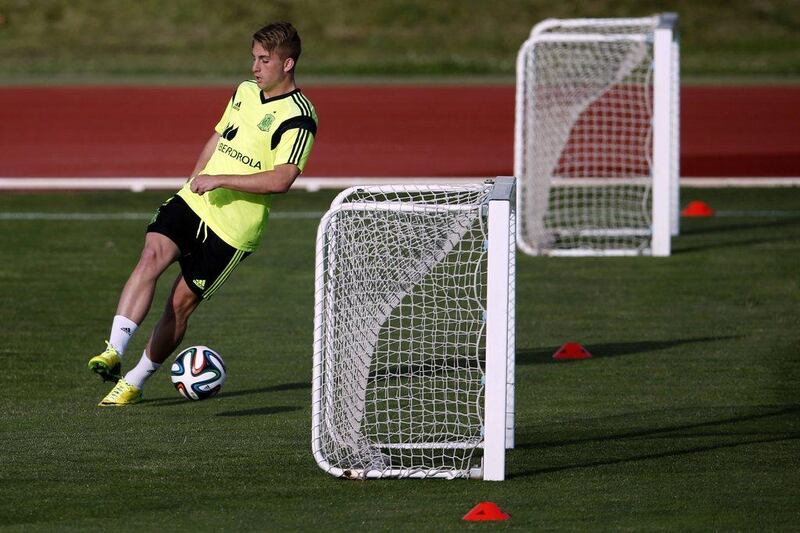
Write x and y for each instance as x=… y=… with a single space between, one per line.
x=269 y=69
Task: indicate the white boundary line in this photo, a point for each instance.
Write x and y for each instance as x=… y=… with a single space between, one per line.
x=139 y=184
x=715 y=183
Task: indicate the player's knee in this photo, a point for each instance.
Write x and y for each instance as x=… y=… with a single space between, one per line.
x=183 y=305
x=150 y=261
x=157 y=254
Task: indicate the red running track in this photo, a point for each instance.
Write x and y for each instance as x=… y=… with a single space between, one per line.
x=364 y=130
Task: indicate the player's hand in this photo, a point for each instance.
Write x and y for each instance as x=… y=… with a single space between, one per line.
x=202 y=184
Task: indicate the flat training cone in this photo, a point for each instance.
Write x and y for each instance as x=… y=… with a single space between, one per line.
x=571 y=350
x=697 y=208
x=485 y=511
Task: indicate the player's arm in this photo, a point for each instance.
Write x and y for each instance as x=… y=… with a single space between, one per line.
x=205 y=155
x=291 y=149
x=277 y=180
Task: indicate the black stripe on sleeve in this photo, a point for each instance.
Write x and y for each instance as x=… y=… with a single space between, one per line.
x=299 y=147
x=301 y=122
x=301 y=102
x=293 y=155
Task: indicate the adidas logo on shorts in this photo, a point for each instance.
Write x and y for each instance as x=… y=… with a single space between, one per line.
x=200 y=283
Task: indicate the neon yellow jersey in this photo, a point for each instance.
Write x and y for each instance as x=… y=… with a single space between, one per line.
x=256 y=134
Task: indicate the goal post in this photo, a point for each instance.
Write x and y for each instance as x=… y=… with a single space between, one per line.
x=596 y=137
x=414 y=332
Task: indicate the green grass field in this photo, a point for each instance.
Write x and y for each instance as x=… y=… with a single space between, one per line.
x=687 y=417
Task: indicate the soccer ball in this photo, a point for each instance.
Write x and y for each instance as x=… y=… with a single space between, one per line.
x=198 y=373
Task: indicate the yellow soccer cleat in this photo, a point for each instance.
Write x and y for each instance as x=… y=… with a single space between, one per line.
x=122 y=394
x=107 y=365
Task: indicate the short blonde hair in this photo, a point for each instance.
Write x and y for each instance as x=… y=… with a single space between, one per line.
x=280 y=37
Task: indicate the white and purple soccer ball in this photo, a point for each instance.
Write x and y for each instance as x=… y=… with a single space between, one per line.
x=198 y=373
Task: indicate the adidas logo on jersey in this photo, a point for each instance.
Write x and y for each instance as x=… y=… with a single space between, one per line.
x=237 y=106
x=201 y=283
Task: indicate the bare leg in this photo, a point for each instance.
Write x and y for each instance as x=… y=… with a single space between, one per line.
x=169 y=330
x=158 y=253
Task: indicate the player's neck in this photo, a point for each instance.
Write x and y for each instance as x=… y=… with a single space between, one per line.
x=282 y=88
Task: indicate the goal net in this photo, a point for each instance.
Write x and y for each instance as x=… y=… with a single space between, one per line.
x=401 y=356
x=596 y=147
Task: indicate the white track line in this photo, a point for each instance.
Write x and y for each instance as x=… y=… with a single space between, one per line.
x=138 y=184
x=718 y=183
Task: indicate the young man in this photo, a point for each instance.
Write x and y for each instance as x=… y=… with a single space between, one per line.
x=259 y=147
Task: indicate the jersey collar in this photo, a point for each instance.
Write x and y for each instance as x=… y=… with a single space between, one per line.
x=265 y=100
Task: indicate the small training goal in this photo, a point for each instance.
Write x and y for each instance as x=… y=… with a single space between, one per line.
x=596 y=137
x=414 y=332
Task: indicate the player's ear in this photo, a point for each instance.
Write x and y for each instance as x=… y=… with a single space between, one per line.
x=288 y=64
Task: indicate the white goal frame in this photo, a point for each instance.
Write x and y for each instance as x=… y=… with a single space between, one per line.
x=662 y=211
x=496 y=212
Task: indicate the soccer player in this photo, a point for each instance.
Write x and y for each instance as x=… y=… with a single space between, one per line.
x=259 y=146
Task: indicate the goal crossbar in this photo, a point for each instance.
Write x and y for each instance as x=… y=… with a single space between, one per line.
x=589 y=38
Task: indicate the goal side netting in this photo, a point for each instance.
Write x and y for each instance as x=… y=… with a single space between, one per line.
x=402 y=322
x=596 y=145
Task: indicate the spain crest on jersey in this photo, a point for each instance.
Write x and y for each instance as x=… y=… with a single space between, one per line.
x=266 y=122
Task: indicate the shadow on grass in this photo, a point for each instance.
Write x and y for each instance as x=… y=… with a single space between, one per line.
x=680 y=248
x=610 y=349
x=272 y=388
x=736 y=226
x=261 y=411
x=729 y=244
x=676 y=432
x=660 y=455
x=161 y=402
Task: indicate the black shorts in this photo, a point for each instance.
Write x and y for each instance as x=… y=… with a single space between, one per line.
x=206 y=260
